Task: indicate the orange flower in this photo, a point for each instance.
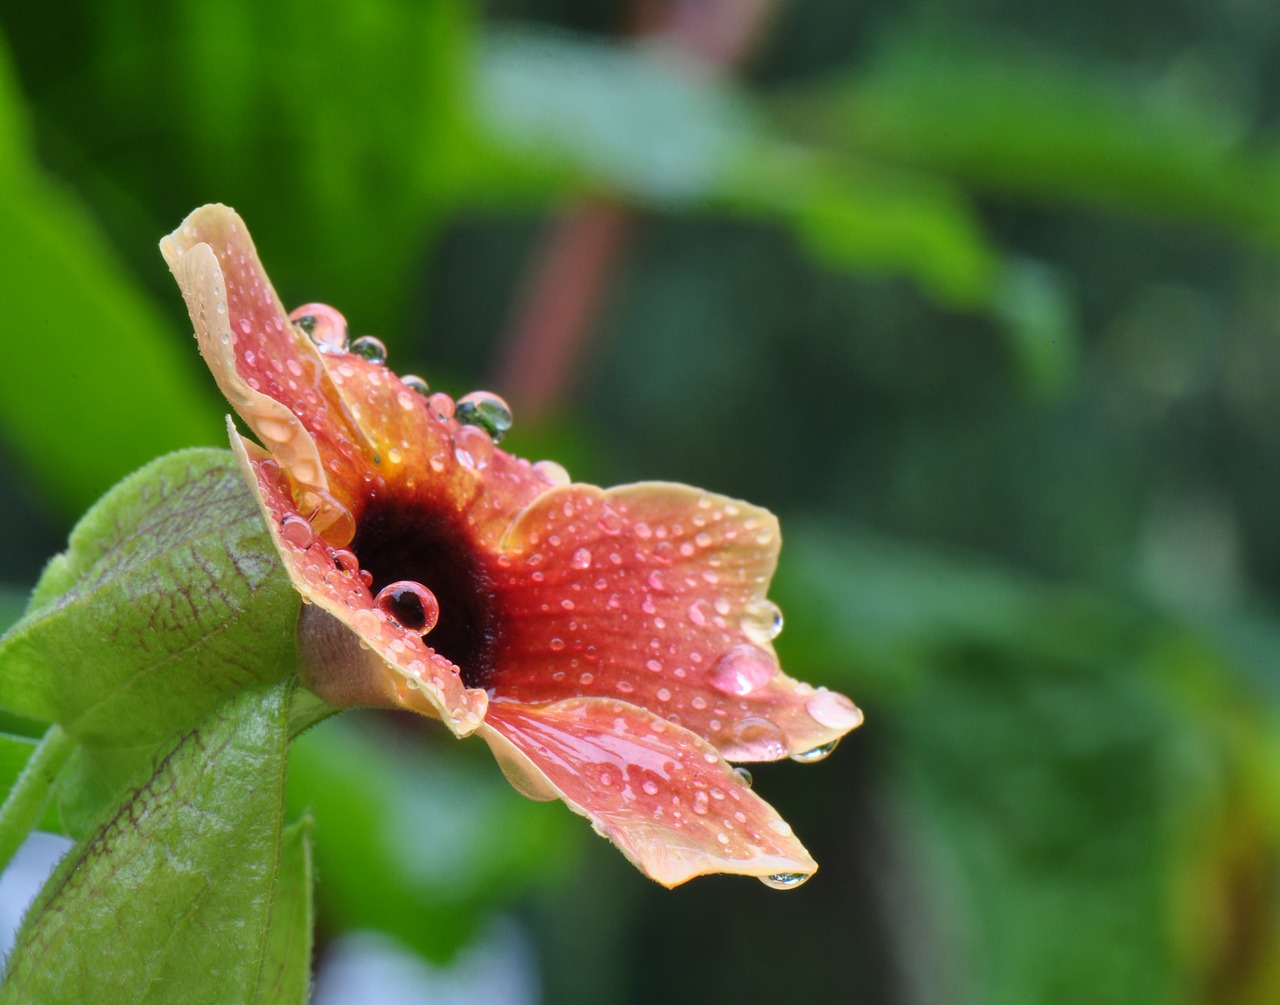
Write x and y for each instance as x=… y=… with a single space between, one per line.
x=613 y=647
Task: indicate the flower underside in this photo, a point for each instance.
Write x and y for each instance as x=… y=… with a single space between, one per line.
x=613 y=647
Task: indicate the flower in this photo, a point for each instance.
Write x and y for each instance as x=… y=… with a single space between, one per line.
x=613 y=647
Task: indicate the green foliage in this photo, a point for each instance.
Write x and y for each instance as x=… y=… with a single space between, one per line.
x=182 y=885
x=162 y=592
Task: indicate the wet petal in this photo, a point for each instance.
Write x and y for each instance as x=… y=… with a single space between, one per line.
x=270 y=372
x=374 y=660
x=655 y=594
x=665 y=797
x=419 y=450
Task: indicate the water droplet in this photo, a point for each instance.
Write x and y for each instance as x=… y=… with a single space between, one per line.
x=756 y=739
x=472 y=446
x=650 y=787
x=323 y=325
x=557 y=645
x=551 y=472
x=741 y=670
x=785 y=880
x=833 y=710
x=582 y=559
x=366 y=577
x=743 y=777
x=297 y=531
x=369 y=347
x=761 y=621
x=345 y=561
x=816 y=754
x=486 y=410
x=411 y=605
x=415 y=383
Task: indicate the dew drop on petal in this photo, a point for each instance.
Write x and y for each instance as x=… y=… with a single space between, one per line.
x=816 y=754
x=441 y=405
x=757 y=739
x=833 y=710
x=366 y=577
x=552 y=473
x=472 y=447
x=415 y=383
x=486 y=410
x=581 y=559
x=741 y=670
x=297 y=531
x=323 y=325
x=761 y=621
x=743 y=777
x=369 y=347
x=785 y=880
x=345 y=561
x=410 y=605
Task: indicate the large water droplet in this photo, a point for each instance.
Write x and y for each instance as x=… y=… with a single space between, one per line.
x=486 y=410
x=326 y=327
x=552 y=472
x=761 y=621
x=415 y=383
x=815 y=754
x=297 y=531
x=743 y=776
x=833 y=710
x=411 y=605
x=472 y=446
x=369 y=347
x=785 y=880
x=742 y=669
x=755 y=739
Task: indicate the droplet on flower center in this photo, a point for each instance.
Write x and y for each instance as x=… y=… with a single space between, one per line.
x=785 y=880
x=369 y=347
x=486 y=410
x=472 y=447
x=323 y=325
x=410 y=605
x=742 y=669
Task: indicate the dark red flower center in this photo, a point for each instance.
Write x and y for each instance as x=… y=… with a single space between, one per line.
x=401 y=539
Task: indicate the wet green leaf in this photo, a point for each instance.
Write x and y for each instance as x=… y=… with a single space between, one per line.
x=169 y=599
x=175 y=895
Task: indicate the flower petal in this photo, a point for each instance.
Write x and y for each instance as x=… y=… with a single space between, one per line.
x=664 y=796
x=382 y=663
x=655 y=594
x=272 y=374
x=426 y=455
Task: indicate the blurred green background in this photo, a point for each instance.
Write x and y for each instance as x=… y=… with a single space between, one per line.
x=980 y=297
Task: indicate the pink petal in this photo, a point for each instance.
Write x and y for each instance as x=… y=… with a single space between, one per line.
x=381 y=662
x=270 y=372
x=655 y=594
x=665 y=797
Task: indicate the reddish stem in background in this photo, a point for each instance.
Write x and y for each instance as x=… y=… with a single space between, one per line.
x=569 y=274
x=566 y=281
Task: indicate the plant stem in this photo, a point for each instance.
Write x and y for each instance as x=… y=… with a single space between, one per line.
x=26 y=800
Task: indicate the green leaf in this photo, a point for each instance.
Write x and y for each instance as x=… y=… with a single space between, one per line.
x=1000 y=117
x=169 y=599
x=121 y=386
x=176 y=894
x=285 y=977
